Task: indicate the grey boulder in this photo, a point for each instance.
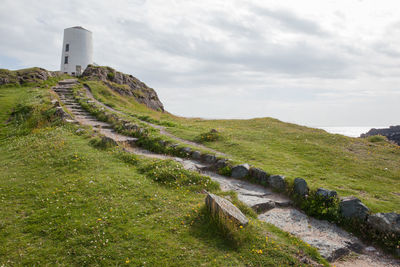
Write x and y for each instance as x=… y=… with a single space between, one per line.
x=277 y=182
x=240 y=171
x=300 y=187
x=351 y=207
x=326 y=193
x=260 y=175
x=196 y=155
x=208 y=158
x=385 y=222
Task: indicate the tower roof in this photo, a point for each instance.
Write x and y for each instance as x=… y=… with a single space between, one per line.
x=79 y=27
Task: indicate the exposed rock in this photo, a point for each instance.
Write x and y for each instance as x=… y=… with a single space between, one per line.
x=131 y=126
x=331 y=241
x=263 y=206
x=240 y=171
x=23 y=76
x=55 y=103
x=222 y=208
x=392 y=133
x=125 y=84
x=352 y=207
x=326 y=193
x=300 y=187
x=62 y=113
x=208 y=158
x=108 y=141
x=385 y=222
x=260 y=175
x=277 y=182
x=196 y=155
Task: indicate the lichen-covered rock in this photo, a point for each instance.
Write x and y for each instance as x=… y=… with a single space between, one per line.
x=208 y=158
x=196 y=155
x=240 y=171
x=300 y=187
x=385 y=222
x=351 y=207
x=277 y=182
x=125 y=84
x=326 y=193
x=260 y=175
x=224 y=209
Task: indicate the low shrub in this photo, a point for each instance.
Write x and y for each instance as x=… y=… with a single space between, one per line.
x=210 y=136
x=376 y=138
x=225 y=171
x=102 y=143
x=171 y=173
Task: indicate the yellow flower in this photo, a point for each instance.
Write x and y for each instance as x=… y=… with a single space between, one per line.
x=241 y=227
x=99 y=219
x=127 y=261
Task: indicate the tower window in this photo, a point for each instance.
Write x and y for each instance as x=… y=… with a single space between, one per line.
x=66 y=60
x=66 y=47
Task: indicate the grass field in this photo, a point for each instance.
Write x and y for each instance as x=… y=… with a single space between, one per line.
x=64 y=202
x=351 y=166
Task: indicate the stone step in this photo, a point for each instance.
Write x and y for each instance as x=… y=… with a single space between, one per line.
x=68 y=82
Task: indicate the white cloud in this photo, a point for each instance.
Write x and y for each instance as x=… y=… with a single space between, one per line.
x=334 y=63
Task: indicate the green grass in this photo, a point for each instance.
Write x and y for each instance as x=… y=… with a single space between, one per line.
x=65 y=202
x=367 y=169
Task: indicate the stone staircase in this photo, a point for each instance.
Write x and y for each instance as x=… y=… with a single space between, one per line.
x=81 y=116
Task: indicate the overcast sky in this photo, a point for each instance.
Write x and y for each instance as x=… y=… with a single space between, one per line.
x=318 y=63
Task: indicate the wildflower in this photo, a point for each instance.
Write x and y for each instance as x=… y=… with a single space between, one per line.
x=127 y=261
x=241 y=227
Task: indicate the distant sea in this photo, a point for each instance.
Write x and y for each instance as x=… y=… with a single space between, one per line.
x=349 y=131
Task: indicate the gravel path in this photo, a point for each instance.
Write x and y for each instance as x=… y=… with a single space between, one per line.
x=331 y=241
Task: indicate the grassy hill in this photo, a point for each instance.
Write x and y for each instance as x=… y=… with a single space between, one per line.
x=64 y=201
x=351 y=166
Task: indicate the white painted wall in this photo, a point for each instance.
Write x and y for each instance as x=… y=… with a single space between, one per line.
x=80 y=49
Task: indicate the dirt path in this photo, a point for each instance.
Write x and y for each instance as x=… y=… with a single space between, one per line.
x=162 y=129
x=332 y=242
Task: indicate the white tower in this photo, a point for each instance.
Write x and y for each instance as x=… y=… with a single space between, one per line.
x=77 y=51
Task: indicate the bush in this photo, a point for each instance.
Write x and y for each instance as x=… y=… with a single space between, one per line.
x=225 y=171
x=376 y=138
x=171 y=173
x=110 y=76
x=211 y=136
x=320 y=207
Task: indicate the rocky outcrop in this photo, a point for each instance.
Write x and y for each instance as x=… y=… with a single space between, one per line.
x=125 y=84
x=25 y=76
x=392 y=133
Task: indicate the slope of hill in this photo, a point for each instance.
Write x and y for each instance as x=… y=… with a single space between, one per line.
x=351 y=166
x=64 y=203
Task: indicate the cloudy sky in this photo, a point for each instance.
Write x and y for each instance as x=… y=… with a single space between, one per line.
x=317 y=63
